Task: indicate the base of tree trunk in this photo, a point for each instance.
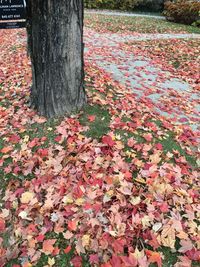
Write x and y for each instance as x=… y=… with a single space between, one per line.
x=57 y=109
x=55 y=42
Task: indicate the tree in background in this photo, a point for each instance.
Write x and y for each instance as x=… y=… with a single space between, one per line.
x=55 y=41
x=152 y=5
x=112 y=4
x=183 y=11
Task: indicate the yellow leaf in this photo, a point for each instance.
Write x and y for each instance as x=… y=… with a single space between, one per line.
x=138 y=163
x=110 y=192
x=51 y=261
x=68 y=200
x=5 y=213
x=109 y=95
x=119 y=145
x=31 y=243
x=182 y=235
x=130 y=154
x=161 y=188
x=135 y=200
x=85 y=240
x=138 y=254
x=198 y=244
x=81 y=137
x=80 y=201
x=168 y=242
x=182 y=192
x=26 y=139
x=118 y=137
x=155 y=158
x=146 y=221
x=169 y=155
x=15 y=204
x=140 y=180
x=168 y=236
x=27 y=197
x=113 y=233
x=157 y=226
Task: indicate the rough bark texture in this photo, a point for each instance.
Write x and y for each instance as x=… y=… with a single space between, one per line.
x=55 y=41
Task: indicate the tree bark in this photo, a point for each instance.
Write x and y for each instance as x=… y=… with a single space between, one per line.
x=55 y=43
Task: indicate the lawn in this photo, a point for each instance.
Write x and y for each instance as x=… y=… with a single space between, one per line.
x=115 y=185
x=116 y=24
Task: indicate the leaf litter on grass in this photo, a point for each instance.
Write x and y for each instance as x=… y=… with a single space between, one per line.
x=117 y=24
x=74 y=191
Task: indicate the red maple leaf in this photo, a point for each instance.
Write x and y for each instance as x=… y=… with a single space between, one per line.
x=2 y=225
x=107 y=139
x=91 y=118
x=67 y=249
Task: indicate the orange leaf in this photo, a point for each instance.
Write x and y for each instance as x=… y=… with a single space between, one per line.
x=72 y=225
x=47 y=247
x=91 y=118
x=154 y=257
x=6 y=149
x=109 y=180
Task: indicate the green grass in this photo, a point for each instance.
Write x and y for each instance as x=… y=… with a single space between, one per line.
x=168 y=142
x=136 y=24
x=100 y=126
x=12 y=262
x=176 y=64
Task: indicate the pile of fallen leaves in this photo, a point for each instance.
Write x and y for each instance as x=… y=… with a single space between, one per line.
x=112 y=201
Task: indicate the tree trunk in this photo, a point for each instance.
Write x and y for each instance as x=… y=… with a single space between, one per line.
x=55 y=42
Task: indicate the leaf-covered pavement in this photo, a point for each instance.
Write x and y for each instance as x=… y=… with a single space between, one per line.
x=136 y=64
x=116 y=185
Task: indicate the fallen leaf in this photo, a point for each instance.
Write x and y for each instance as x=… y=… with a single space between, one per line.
x=91 y=118
x=6 y=149
x=27 y=197
x=2 y=225
x=47 y=246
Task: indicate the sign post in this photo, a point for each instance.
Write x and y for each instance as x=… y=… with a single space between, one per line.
x=12 y=14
